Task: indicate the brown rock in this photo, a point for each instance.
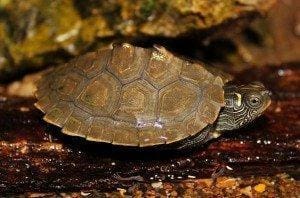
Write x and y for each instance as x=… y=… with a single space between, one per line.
x=37 y=33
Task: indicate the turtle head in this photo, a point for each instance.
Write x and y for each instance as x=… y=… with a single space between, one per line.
x=244 y=103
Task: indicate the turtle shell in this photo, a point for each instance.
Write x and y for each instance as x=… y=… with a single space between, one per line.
x=131 y=96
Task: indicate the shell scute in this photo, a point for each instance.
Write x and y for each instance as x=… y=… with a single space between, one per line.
x=127 y=62
x=77 y=123
x=43 y=84
x=92 y=63
x=176 y=101
x=41 y=92
x=162 y=69
x=101 y=129
x=58 y=114
x=151 y=136
x=195 y=73
x=175 y=133
x=137 y=102
x=100 y=95
x=69 y=86
x=54 y=80
x=193 y=125
x=207 y=111
x=125 y=134
x=46 y=101
x=215 y=93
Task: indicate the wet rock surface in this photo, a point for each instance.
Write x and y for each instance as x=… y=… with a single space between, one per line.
x=35 y=156
x=38 y=33
x=274 y=39
x=270 y=40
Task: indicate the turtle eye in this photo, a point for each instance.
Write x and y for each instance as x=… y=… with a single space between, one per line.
x=255 y=101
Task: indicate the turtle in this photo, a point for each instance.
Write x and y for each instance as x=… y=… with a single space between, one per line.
x=132 y=96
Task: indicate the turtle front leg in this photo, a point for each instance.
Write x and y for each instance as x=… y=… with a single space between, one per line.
x=196 y=140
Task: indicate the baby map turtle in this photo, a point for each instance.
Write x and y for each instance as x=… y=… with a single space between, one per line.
x=135 y=96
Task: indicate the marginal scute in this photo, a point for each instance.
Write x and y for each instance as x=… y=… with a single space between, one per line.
x=137 y=102
x=100 y=95
x=41 y=92
x=77 y=124
x=101 y=130
x=151 y=136
x=46 y=101
x=175 y=133
x=162 y=69
x=215 y=93
x=125 y=134
x=177 y=100
x=59 y=73
x=217 y=72
x=193 y=125
x=43 y=84
x=218 y=81
x=59 y=113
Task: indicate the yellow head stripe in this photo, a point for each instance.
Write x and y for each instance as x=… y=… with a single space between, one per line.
x=239 y=97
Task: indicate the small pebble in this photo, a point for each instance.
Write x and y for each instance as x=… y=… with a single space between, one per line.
x=260 y=188
x=121 y=191
x=206 y=182
x=247 y=191
x=226 y=183
x=278 y=110
x=24 y=109
x=190 y=185
x=157 y=185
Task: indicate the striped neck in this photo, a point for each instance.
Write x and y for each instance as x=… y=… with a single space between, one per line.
x=243 y=104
